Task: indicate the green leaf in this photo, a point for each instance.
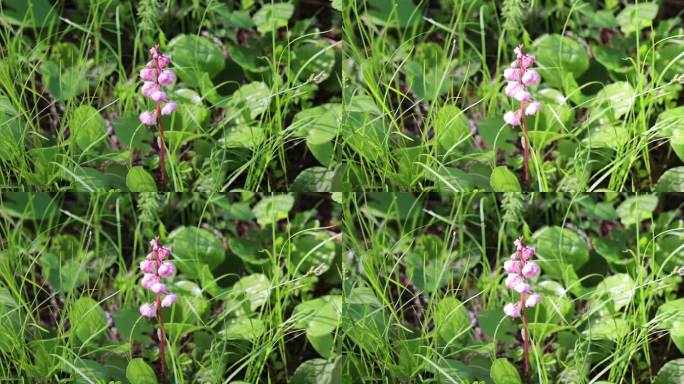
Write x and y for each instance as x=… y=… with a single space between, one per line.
x=677 y=142
x=671 y=373
x=251 y=292
x=668 y=121
x=319 y=124
x=64 y=276
x=64 y=84
x=313 y=60
x=128 y=322
x=314 y=179
x=320 y=317
x=617 y=97
x=635 y=17
x=272 y=209
x=29 y=13
x=131 y=133
x=139 y=180
x=452 y=321
x=503 y=372
x=193 y=55
x=677 y=334
x=635 y=209
x=318 y=371
x=243 y=328
x=669 y=312
x=503 y=180
x=607 y=329
x=138 y=372
x=87 y=318
x=396 y=14
x=557 y=247
x=272 y=16
x=86 y=126
x=671 y=181
x=194 y=247
x=244 y=136
x=618 y=288
x=252 y=99
x=557 y=54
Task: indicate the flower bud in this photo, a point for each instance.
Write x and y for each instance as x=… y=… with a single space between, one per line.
x=148 y=118
x=158 y=96
x=148 y=280
x=148 y=310
x=148 y=74
x=158 y=288
x=168 y=108
x=147 y=266
x=512 y=118
x=512 y=310
x=512 y=266
x=533 y=108
x=530 y=269
x=166 y=269
x=513 y=280
x=166 y=77
x=148 y=88
x=531 y=77
x=521 y=287
x=168 y=300
x=533 y=300
x=513 y=88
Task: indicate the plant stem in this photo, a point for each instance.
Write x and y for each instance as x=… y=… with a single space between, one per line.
x=162 y=336
x=526 y=340
x=162 y=147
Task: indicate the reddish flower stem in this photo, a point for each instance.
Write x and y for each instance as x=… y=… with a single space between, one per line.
x=162 y=336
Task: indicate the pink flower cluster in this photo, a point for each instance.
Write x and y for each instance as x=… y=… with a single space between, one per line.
x=154 y=76
x=520 y=268
x=520 y=76
x=154 y=268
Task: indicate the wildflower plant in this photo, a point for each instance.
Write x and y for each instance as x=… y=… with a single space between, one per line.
x=155 y=76
x=520 y=76
x=155 y=267
x=520 y=267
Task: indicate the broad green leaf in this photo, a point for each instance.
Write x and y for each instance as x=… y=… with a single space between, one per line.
x=607 y=136
x=617 y=97
x=635 y=209
x=503 y=180
x=607 y=329
x=29 y=13
x=86 y=126
x=139 y=180
x=272 y=209
x=131 y=133
x=619 y=289
x=669 y=312
x=314 y=179
x=400 y=206
x=318 y=316
x=677 y=142
x=318 y=371
x=313 y=60
x=503 y=372
x=65 y=275
x=244 y=136
x=671 y=373
x=251 y=292
x=87 y=318
x=452 y=322
x=635 y=17
x=668 y=121
x=557 y=247
x=677 y=334
x=194 y=247
x=557 y=54
x=131 y=326
x=251 y=99
x=193 y=55
x=243 y=328
x=319 y=124
x=138 y=372
x=12 y=132
x=64 y=83
x=270 y=17
x=396 y=14
x=313 y=250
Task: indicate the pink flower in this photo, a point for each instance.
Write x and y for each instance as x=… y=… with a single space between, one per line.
x=533 y=108
x=530 y=269
x=513 y=280
x=512 y=118
x=527 y=61
x=167 y=269
x=512 y=266
x=521 y=287
x=168 y=108
x=512 y=310
x=521 y=95
x=163 y=252
x=512 y=74
x=533 y=300
x=155 y=244
x=518 y=245
x=147 y=266
x=166 y=77
x=148 y=118
x=158 y=96
x=163 y=61
x=148 y=310
x=531 y=77
x=168 y=300
x=148 y=88
x=148 y=280
x=527 y=253
x=512 y=88
x=158 y=288
x=148 y=74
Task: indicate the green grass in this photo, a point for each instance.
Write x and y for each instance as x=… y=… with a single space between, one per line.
x=426 y=288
